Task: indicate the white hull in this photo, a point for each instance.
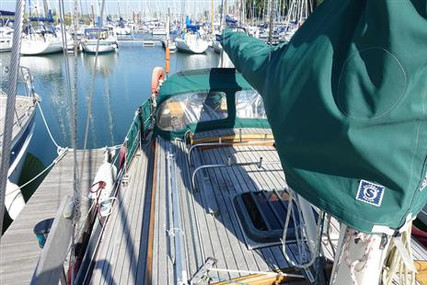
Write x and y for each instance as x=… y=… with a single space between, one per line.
x=171 y=45
x=123 y=31
x=6 y=35
x=104 y=46
x=159 y=32
x=5 y=45
x=196 y=46
x=39 y=47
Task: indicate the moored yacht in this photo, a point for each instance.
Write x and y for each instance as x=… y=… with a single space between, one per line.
x=101 y=40
x=23 y=127
x=6 y=38
x=191 y=42
x=41 y=39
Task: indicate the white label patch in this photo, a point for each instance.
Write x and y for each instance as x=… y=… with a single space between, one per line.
x=370 y=193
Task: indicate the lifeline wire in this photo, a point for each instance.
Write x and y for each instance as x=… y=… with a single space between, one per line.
x=58 y=148
x=61 y=154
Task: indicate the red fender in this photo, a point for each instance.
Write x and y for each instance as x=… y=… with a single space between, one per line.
x=122 y=156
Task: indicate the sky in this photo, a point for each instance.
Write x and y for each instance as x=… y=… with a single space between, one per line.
x=126 y=6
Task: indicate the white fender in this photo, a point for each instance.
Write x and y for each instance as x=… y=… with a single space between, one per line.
x=106 y=173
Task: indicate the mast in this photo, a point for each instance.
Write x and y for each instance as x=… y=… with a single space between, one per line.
x=10 y=103
x=212 y=17
x=270 y=30
x=46 y=8
x=75 y=25
x=93 y=14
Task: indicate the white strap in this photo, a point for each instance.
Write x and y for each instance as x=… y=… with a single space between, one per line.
x=406 y=257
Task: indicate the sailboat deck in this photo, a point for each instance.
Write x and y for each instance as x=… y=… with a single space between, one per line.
x=138 y=245
x=210 y=224
x=23 y=110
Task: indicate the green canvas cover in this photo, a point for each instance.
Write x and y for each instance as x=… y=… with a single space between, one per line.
x=208 y=79
x=347 y=103
x=225 y=80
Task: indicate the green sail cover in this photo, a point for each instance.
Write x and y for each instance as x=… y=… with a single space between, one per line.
x=347 y=103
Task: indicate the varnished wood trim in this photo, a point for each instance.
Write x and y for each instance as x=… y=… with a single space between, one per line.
x=262 y=279
x=149 y=262
x=234 y=138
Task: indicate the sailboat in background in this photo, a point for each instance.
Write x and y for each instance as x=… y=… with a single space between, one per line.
x=101 y=40
x=6 y=38
x=6 y=32
x=298 y=12
x=191 y=41
x=40 y=36
x=168 y=42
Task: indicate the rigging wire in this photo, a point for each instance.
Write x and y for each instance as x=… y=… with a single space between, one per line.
x=10 y=104
x=90 y=100
x=73 y=116
x=72 y=110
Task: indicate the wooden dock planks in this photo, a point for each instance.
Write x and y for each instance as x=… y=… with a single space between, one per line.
x=19 y=250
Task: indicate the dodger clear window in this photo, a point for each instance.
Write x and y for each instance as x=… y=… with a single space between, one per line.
x=249 y=105
x=179 y=111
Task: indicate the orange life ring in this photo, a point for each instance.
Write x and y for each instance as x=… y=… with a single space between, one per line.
x=158 y=74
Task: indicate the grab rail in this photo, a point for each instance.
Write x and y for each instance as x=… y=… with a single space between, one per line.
x=177 y=229
x=259 y=164
x=220 y=143
x=317 y=246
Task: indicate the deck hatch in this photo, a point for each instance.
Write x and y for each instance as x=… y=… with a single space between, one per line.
x=262 y=216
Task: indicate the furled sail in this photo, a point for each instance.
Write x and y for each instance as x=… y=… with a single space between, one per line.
x=347 y=102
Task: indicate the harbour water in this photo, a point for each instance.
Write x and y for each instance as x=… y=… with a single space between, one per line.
x=119 y=83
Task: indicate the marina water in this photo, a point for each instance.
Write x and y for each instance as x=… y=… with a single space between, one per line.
x=119 y=83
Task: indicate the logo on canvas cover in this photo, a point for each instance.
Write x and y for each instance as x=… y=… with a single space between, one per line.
x=370 y=193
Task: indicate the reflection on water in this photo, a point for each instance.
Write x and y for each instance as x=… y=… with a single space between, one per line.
x=194 y=61
x=119 y=83
x=43 y=65
x=104 y=64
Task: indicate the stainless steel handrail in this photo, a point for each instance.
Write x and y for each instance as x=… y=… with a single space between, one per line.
x=317 y=247
x=177 y=230
x=220 y=143
x=259 y=164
